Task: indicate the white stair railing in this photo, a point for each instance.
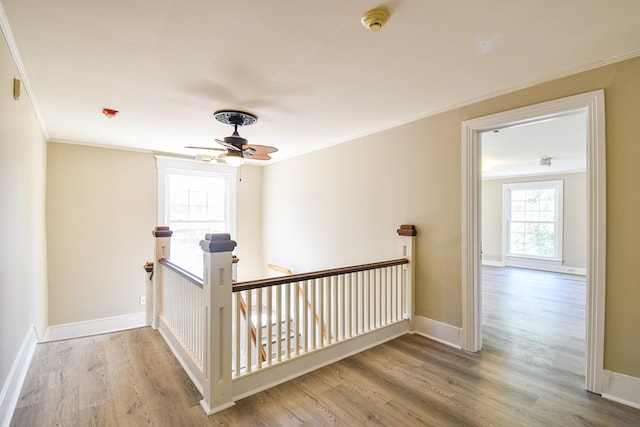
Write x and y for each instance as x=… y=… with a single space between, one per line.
x=179 y=309
x=299 y=314
x=183 y=308
x=237 y=339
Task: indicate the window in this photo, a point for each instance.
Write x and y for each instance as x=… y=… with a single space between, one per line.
x=533 y=219
x=194 y=199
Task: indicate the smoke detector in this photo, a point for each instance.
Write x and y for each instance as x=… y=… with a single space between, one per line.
x=375 y=19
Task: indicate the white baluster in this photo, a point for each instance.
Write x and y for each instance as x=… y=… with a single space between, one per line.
x=248 y=343
x=279 y=320
x=238 y=332
x=295 y=300
x=269 y=350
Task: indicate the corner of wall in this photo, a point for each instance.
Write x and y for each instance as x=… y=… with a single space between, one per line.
x=438 y=331
x=15 y=380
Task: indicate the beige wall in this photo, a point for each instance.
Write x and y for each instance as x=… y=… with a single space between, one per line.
x=101 y=208
x=23 y=264
x=249 y=223
x=341 y=205
x=575 y=217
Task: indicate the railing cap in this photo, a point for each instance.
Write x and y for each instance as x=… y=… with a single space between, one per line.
x=217 y=242
x=407 y=230
x=162 y=231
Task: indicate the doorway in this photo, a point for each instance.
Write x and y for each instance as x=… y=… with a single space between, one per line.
x=592 y=104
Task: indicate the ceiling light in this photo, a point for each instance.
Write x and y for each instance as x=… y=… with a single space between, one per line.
x=234 y=158
x=205 y=158
x=375 y=19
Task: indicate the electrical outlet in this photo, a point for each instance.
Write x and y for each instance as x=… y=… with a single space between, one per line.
x=143 y=300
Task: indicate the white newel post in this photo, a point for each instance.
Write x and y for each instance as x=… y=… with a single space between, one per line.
x=407 y=235
x=154 y=295
x=217 y=387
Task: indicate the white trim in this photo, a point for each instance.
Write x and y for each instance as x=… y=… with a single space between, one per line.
x=621 y=388
x=12 y=386
x=535 y=264
x=5 y=29
x=507 y=190
x=593 y=104
x=514 y=258
x=165 y=162
x=177 y=164
x=492 y=263
x=438 y=331
x=533 y=176
x=95 y=326
x=471 y=333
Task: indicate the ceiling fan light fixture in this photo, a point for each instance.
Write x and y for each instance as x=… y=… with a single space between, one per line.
x=206 y=159
x=234 y=158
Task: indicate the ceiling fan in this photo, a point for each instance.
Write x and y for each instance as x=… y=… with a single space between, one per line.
x=237 y=148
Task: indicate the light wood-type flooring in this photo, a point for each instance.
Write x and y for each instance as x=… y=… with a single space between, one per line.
x=529 y=373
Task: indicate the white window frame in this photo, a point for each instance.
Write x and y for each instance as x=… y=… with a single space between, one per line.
x=520 y=260
x=168 y=165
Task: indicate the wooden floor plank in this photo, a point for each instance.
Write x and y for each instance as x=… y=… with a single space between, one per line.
x=529 y=373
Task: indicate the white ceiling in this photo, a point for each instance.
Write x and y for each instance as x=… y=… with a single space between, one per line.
x=517 y=150
x=311 y=73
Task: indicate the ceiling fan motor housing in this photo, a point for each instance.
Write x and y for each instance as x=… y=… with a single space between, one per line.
x=236 y=141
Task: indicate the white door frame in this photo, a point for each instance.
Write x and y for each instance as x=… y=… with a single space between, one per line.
x=593 y=104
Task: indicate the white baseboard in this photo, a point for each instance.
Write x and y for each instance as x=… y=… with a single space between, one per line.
x=437 y=331
x=621 y=388
x=545 y=266
x=492 y=263
x=12 y=386
x=96 y=326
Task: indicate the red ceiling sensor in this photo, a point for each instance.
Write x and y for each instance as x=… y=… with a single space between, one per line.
x=109 y=112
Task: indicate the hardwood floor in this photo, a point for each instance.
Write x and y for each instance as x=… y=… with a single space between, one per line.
x=529 y=373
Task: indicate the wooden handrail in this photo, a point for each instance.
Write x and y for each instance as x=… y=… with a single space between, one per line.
x=263 y=283
x=182 y=272
x=280 y=269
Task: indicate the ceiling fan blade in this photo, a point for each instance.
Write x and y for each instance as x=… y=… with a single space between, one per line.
x=260 y=148
x=226 y=144
x=258 y=156
x=205 y=148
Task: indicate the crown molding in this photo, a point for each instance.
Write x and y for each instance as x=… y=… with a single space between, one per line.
x=5 y=29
